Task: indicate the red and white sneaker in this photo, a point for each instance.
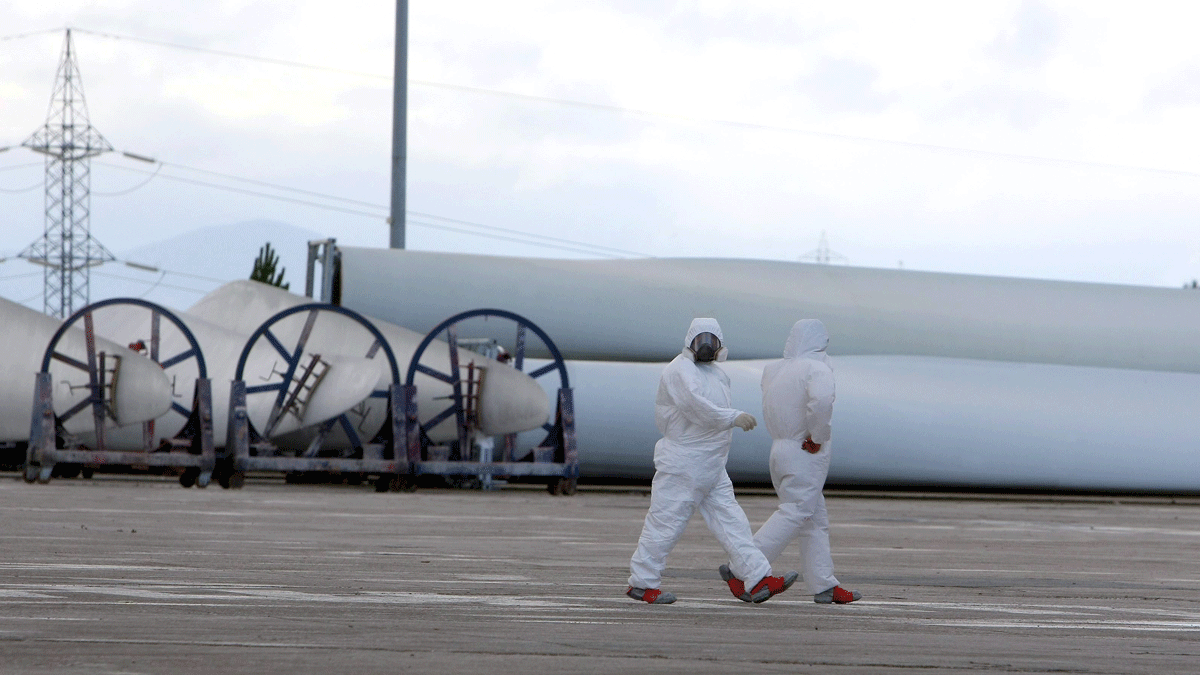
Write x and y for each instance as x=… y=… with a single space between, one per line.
x=736 y=585
x=838 y=595
x=653 y=596
x=772 y=586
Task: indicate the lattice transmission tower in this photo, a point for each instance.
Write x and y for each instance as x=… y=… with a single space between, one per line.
x=822 y=255
x=67 y=249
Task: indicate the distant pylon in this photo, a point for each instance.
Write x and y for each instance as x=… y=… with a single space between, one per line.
x=67 y=249
x=822 y=255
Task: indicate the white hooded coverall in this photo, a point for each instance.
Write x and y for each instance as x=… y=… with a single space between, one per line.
x=692 y=412
x=798 y=393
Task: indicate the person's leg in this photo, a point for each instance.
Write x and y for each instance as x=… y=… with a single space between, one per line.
x=814 y=549
x=796 y=486
x=775 y=534
x=728 y=522
x=672 y=503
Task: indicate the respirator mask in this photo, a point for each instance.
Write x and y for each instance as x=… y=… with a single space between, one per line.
x=705 y=346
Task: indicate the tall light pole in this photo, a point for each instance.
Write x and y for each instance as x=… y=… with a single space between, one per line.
x=67 y=249
x=399 y=126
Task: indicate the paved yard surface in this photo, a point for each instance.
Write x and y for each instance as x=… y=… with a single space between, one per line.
x=138 y=575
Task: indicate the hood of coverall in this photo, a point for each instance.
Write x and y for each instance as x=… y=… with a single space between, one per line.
x=808 y=340
x=704 y=325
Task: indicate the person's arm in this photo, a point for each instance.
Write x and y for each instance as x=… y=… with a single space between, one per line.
x=697 y=409
x=818 y=413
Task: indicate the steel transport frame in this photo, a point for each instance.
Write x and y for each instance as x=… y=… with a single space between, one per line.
x=398 y=454
x=247 y=449
x=556 y=457
x=192 y=448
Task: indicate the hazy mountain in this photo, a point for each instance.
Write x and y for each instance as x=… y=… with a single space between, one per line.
x=190 y=265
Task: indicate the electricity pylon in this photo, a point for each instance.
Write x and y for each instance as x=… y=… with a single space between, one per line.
x=822 y=255
x=67 y=249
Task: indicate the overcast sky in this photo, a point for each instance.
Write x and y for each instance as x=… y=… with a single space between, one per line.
x=1046 y=139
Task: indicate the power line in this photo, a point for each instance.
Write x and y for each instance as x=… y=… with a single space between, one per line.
x=136 y=265
x=20 y=190
x=501 y=237
x=157 y=282
x=275 y=186
x=20 y=166
x=251 y=192
x=30 y=34
x=156 y=269
x=144 y=281
x=755 y=126
x=575 y=246
x=751 y=126
x=21 y=276
x=567 y=244
x=184 y=274
x=527 y=234
x=135 y=187
x=248 y=57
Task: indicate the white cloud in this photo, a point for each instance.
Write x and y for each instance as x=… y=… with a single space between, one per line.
x=1095 y=82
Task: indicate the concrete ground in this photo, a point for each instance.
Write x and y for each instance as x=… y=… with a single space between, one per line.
x=138 y=575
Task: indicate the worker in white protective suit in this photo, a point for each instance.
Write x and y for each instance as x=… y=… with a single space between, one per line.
x=692 y=410
x=798 y=393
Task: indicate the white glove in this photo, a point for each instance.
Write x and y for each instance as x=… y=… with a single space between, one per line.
x=745 y=421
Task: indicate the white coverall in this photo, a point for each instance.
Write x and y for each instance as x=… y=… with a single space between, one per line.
x=798 y=393
x=692 y=412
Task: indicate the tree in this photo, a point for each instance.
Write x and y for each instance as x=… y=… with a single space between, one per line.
x=264 y=268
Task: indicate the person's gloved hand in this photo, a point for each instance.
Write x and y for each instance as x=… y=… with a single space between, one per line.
x=745 y=421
